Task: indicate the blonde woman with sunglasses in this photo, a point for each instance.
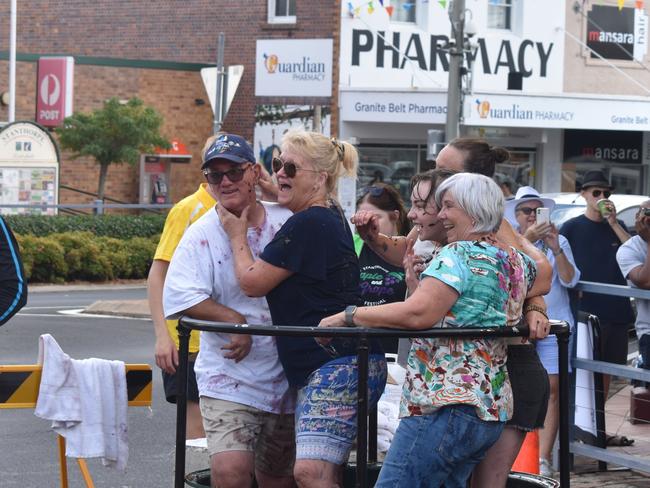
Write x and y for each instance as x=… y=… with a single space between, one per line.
x=310 y=271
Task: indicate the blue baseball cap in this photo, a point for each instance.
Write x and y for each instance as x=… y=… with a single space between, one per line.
x=231 y=148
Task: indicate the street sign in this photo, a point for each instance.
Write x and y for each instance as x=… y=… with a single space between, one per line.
x=234 y=75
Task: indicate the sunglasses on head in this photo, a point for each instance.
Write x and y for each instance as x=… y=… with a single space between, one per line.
x=233 y=174
x=526 y=210
x=597 y=193
x=375 y=191
x=290 y=168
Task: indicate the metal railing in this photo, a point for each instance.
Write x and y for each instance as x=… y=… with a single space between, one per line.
x=186 y=325
x=599 y=451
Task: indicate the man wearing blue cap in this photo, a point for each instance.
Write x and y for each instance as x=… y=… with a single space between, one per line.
x=245 y=401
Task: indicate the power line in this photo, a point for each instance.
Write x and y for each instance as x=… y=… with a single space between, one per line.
x=578 y=9
x=611 y=65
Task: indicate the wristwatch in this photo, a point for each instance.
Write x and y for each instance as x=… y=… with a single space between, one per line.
x=349 y=315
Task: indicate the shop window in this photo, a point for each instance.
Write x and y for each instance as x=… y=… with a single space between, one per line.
x=282 y=11
x=518 y=171
x=500 y=14
x=394 y=165
x=403 y=10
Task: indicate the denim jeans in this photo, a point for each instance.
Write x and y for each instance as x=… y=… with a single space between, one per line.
x=443 y=448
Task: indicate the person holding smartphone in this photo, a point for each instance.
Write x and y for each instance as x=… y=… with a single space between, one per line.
x=529 y=213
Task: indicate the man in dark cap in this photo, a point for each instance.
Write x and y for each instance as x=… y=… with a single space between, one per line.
x=594 y=238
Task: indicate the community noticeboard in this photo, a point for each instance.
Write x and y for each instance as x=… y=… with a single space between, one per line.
x=29 y=169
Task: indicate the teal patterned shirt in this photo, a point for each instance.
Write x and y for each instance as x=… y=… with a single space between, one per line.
x=492 y=284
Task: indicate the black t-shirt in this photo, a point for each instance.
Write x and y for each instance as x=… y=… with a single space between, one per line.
x=316 y=245
x=594 y=246
x=380 y=282
x=13 y=286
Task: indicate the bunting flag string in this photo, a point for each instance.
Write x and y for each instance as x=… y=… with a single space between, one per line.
x=355 y=11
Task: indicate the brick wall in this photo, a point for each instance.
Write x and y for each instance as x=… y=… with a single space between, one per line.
x=182 y=32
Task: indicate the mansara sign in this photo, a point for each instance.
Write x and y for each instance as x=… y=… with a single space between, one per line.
x=293 y=67
x=617 y=34
x=54 y=90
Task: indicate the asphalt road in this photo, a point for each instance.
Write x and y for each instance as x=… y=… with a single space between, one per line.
x=28 y=445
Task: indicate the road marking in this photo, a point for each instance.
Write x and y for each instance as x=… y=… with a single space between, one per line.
x=77 y=312
x=52 y=307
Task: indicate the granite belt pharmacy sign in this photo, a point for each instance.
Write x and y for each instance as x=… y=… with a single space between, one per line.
x=54 y=90
x=557 y=112
x=396 y=107
x=293 y=68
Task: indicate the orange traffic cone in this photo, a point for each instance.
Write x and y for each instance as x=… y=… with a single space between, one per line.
x=528 y=458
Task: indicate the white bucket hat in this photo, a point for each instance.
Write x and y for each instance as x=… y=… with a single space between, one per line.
x=524 y=194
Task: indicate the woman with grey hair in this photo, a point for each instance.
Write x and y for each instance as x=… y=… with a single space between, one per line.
x=457 y=396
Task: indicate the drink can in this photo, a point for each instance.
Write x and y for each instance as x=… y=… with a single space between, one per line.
x=603 y=205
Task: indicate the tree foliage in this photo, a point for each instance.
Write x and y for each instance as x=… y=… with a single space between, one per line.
x=116 y=133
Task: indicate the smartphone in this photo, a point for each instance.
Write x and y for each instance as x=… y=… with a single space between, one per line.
x=543 y=215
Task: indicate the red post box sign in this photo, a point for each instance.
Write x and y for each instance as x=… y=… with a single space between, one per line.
x=54 y=90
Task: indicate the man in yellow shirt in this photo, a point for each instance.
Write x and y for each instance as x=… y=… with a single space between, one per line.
x=180 y=217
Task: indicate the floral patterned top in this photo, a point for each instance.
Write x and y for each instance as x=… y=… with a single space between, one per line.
x=490 y=282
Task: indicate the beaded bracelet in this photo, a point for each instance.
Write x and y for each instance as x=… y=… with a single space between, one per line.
x=531 y=307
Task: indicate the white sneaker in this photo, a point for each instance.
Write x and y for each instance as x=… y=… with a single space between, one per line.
x=546 y=468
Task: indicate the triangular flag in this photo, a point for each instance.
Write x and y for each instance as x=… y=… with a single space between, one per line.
x=621 y=3
x=357 y=11
x=381 y=2
x=371 y=9
x=350 y=9
x=443 y=3
x=390 y=11
x=639 y=4
x=407 y=6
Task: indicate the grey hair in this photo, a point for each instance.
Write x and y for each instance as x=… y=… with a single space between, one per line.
x=479 y=196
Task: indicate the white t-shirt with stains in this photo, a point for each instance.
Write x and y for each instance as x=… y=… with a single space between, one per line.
x=202 y=267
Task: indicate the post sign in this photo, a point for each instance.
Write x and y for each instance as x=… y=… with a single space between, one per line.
x=615 y=33
x=54 y=90
x=293 y=67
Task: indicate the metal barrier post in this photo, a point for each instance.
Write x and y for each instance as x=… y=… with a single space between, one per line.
x=563 y=363
x=181 y=403
x=99 y=207
x=362 y=413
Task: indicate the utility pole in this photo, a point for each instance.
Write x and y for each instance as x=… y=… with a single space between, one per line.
x=456 y=53
x=12 y=62
x=218 y=96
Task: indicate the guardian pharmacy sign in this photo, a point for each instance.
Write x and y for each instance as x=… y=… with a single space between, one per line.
x=293 y=68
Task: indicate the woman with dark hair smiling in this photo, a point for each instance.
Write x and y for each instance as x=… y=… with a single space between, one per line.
x=381 y=282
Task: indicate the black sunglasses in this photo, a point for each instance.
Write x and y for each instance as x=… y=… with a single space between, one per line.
x=596 y=193
x=375 y=191
x=233 y=174
x=525 y=210
x=290 y=168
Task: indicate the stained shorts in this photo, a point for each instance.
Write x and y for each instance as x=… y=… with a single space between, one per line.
x=326 y=409
x=232 y=426
x=530 y=388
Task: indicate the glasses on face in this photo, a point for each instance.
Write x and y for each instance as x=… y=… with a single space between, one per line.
x=290 y=168
x=597 y=193
x=375 y=191
x=233 y=174
x=645 y=211
x=526 y=210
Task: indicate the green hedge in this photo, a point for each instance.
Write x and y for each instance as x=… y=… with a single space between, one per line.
x=69 y=256
x=118 y=226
